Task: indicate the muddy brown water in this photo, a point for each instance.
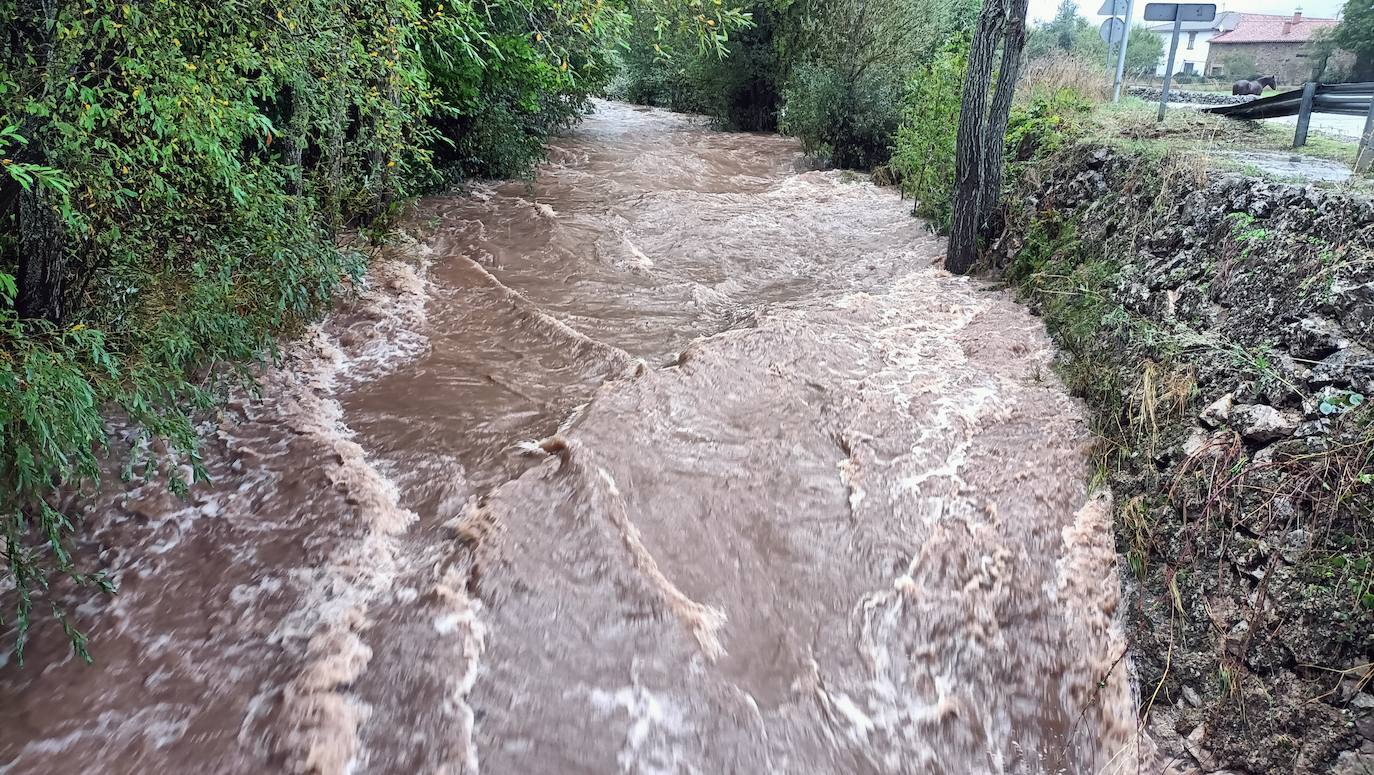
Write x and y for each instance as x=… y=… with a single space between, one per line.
x=676 y=460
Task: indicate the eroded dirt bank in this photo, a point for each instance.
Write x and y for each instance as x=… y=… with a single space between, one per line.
x=1221 y=329
x=675 y=460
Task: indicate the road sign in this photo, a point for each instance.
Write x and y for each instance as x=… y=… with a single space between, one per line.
x=1180 y=12
x=1112 y=8
x=1121 y=54
x=1113 y=31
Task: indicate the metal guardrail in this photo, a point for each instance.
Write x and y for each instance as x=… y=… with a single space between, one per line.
x=1344 y=99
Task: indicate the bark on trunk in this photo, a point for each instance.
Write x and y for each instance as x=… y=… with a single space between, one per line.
x=970 y=141
x=42 y=261
x=1000 y=114
x=293 y=141
x=42 y=276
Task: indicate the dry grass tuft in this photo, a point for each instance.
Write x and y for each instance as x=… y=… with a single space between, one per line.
x=1060 y=70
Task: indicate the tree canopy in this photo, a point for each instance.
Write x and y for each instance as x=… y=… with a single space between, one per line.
x=1355 y=33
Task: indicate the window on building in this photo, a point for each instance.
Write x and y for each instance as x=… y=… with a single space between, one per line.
x=1192 y=39
x=1188 y=68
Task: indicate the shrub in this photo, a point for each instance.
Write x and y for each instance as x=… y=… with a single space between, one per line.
x=924 y=157
x=847 y=122
x=1046 y=123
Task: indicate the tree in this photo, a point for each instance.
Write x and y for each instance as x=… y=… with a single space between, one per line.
x=981 y=140
x=1040 y=42
x=1087 y=42
x=1143 y=51
x=1067 y=32
x=1064 y=26
x=1322 y=47
x=844 y=99
x=1239 y=65
x=1355 y=33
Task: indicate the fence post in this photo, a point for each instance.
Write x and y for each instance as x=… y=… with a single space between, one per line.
x=1365 y=159
x=1309 y=91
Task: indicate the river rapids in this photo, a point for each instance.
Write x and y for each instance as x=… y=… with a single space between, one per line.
x=678 y=459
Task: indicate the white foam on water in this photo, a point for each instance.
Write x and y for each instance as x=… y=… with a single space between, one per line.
x=654 y=742
x=325 y=718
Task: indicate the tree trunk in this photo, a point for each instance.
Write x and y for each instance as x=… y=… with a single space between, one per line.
x=995 y=150
x=42 y=261
x=42 y=258
x=970 y=142
x=1364 y=66
x=293 y=140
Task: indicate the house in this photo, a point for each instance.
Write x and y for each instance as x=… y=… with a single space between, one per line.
x=1268 y=44
x=1194 y=41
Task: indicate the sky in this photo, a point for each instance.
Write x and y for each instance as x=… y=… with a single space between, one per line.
x=1043 y=10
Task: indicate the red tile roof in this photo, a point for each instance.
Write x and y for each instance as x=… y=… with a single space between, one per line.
x=1270 y=28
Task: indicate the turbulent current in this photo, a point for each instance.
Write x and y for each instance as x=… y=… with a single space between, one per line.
x=679 y=459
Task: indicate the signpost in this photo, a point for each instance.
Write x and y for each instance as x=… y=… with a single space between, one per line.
x=1178 y=13
x=1113 y=33
x=1364 y=160
x=1118 y=30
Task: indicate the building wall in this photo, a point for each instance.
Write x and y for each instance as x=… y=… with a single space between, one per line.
x=1194 y=59
x=1291 y=62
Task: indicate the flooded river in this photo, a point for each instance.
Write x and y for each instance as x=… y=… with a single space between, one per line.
x=676 y=460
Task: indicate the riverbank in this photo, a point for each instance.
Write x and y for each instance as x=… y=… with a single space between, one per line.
x=1219 y=327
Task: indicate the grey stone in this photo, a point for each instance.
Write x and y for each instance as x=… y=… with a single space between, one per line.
x=1295 y=545
x=1197 y=439
x=1353 y=366
x=1365 y=727
x=1315 y=337
x=1236 y=638
x=1354 y=763
x=1191 y=696
x=1193 y=745
x=1218 y=412
x=1258 y=422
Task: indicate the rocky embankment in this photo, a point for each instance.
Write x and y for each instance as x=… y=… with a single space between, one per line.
x=1152 y=94
x=1221 y=329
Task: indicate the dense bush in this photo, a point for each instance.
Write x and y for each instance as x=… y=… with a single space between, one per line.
x=843 y=120
x=845 y=102
x=831 y=72
x=173 y=179
x=738 y=86
x=1047 y=114
x=924 y=157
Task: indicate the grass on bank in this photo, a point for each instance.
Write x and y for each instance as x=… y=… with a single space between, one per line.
x=1131 y=125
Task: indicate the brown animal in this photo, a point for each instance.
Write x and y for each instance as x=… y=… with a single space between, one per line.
x=1256 y=88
